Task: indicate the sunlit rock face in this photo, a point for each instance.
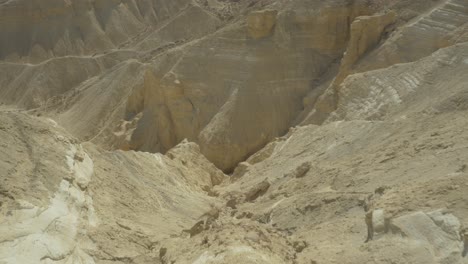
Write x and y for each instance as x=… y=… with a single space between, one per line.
x=235 y=90
x=233 y=131
x=442 y=26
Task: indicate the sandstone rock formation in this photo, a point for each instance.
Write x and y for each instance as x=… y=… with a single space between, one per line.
x=233 y=131
x=366 y=32
x=171 y=79
x=261 y=23
x=417 y=39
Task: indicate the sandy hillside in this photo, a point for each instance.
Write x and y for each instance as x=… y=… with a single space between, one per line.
x=233 y=131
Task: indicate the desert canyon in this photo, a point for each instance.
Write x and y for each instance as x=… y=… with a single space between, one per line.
x=233 y=131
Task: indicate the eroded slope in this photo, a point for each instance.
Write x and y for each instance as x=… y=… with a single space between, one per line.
x=388 y=88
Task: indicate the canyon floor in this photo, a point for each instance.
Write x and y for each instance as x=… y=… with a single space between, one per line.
x=233 y=131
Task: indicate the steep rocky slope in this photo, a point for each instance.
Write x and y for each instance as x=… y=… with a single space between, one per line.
x=222 y=131
x=36 y=30
x=197 y=82
x=71 y=203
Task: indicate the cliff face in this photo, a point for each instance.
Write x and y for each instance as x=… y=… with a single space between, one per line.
x=233 y=131
x=417 y=39
x=184 y=79
x=236 y=89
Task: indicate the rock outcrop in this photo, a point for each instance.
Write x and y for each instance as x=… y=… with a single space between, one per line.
x=343 y=123
x=417 y=39
x=386 y=90
x=63 y=202
x=366 y=33
x=437 y=232
x=261 y=23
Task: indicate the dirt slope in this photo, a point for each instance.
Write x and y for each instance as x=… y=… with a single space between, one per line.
x=222 y=131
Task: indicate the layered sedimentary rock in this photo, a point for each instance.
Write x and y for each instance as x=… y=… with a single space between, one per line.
x=242 y=86
x=117 y=124
x=198 y=81
x=366 y=33
x=261 y=23
x=37 y=30
x=390 y=87
x=419 y=38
